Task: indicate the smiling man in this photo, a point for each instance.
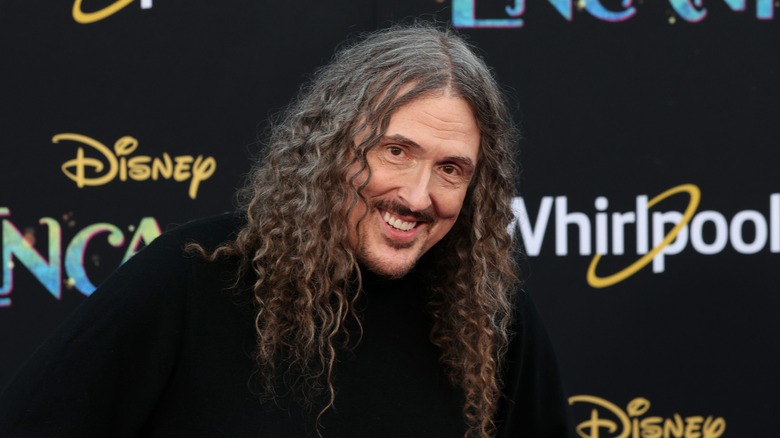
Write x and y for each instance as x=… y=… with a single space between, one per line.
x=366 y=288
x=420 y=173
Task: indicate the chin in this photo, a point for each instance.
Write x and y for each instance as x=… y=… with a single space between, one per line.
x=387 y=268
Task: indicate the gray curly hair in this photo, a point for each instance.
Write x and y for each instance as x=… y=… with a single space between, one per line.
x=296 y=203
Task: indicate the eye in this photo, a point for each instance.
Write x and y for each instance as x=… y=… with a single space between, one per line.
x=449 y=169
x=395 y=151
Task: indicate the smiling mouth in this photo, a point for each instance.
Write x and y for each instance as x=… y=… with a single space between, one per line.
x=397 y=223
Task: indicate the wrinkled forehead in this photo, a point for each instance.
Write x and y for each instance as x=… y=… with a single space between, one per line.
x=371 y=123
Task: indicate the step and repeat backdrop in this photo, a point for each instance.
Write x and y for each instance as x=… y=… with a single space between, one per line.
x=649 y=204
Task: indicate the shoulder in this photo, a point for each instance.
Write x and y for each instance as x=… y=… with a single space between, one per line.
x=535 y=402
x=115 y=356
x=209 y=232
x=164 y=268
x=525 y=315
x=170 y=248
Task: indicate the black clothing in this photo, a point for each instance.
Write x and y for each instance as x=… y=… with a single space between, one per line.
x=164 y=348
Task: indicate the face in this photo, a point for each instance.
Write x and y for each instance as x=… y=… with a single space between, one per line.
x=420 y=172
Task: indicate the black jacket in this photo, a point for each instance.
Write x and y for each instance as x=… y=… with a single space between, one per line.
x=164 y=348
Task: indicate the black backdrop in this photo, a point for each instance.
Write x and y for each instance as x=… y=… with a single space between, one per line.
x=615 y=109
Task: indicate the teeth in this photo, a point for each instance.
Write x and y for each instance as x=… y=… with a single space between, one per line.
x=398 y=223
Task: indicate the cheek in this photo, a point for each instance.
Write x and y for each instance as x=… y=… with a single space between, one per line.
x=381 y=182
x=450 y=204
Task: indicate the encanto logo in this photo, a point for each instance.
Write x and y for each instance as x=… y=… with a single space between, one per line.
x=117 y=163
x=464 y=13
x=20 y=247
x=87 y=17
x=708 y=231
x=605 y=419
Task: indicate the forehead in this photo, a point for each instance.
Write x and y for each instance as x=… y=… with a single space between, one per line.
x=438 y=123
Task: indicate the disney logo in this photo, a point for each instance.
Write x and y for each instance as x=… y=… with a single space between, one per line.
x=117 y=163
x=607 y=420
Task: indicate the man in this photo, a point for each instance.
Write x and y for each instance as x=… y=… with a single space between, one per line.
x=367 y=288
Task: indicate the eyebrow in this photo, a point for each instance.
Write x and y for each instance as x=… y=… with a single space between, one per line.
x=400 y=139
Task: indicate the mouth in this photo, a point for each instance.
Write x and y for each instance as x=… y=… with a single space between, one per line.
x=398 y=223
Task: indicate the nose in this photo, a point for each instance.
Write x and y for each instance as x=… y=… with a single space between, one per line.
x=415 y=191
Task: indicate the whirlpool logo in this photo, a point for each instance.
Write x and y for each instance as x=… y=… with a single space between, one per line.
x=93 y=15
x=658 y=233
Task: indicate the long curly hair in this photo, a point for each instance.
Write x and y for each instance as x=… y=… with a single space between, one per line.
x=306 y=276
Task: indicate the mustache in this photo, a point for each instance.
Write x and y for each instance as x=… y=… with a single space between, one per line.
x=401 y=210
